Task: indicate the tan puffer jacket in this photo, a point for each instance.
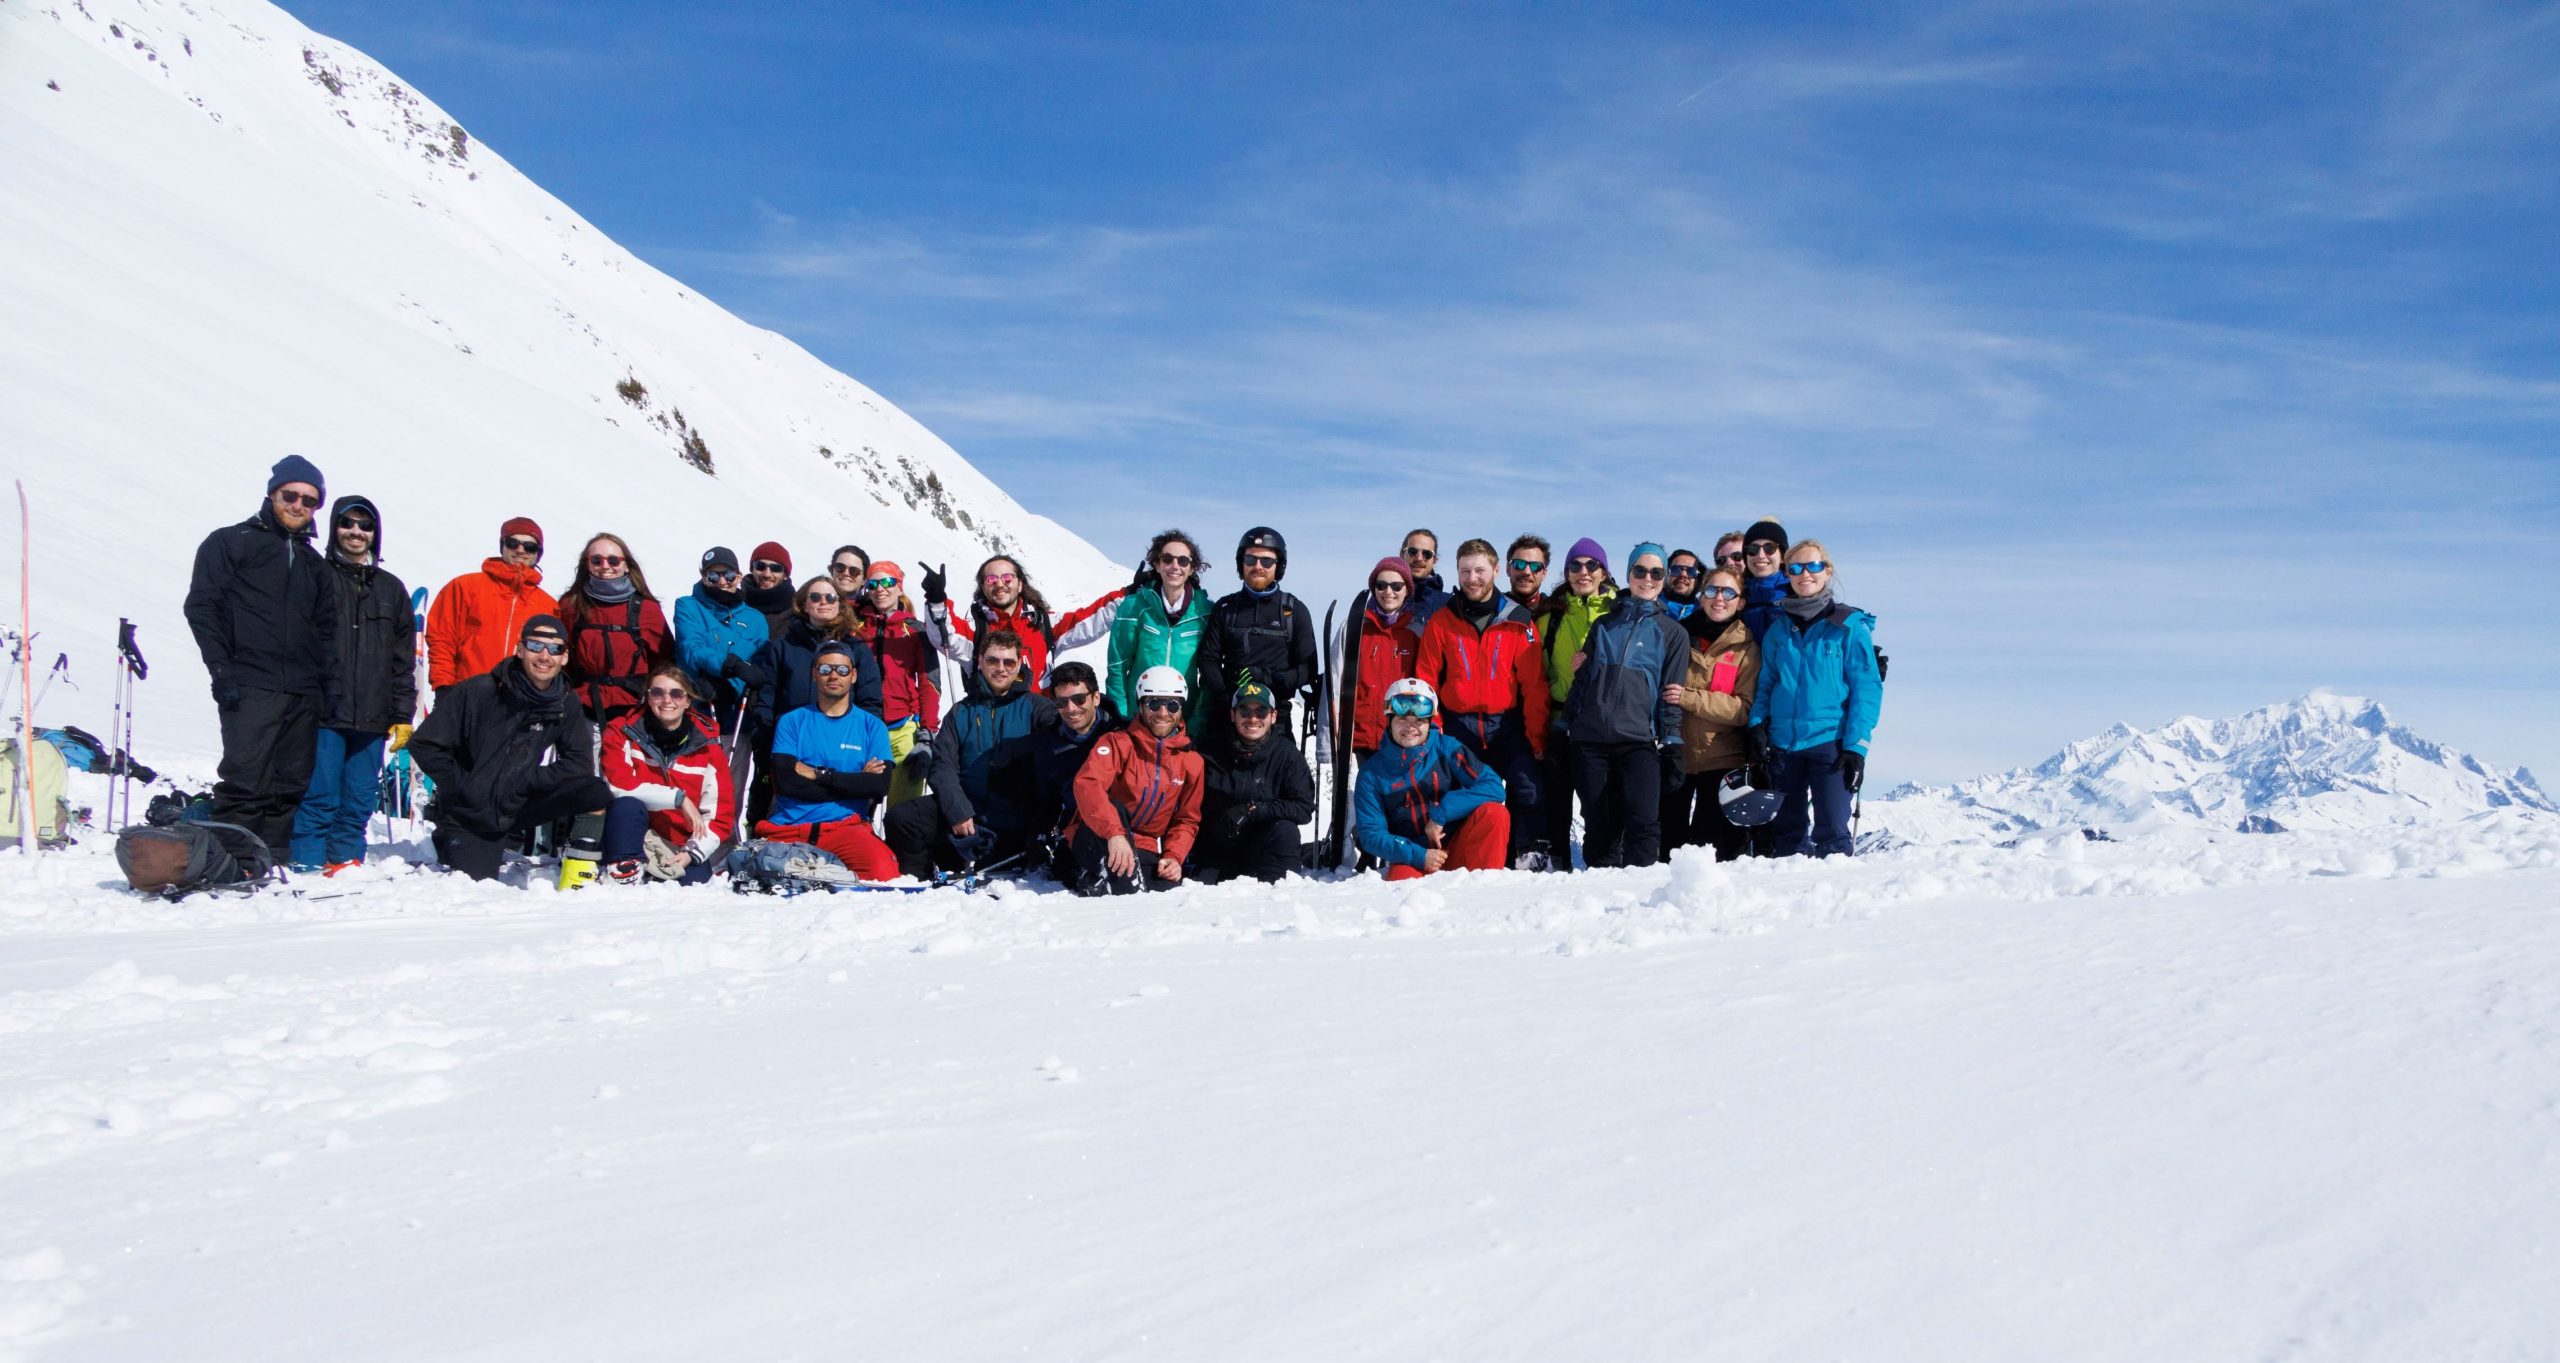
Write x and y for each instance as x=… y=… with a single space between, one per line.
x=1712 y=721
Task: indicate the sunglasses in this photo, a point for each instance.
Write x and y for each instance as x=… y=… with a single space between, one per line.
x=1174 y=560
x=1527 y=565
x=878 y=583
x=1422 y=553
x=1635 y=574
x=543 y=646
x=1717 y=593
x=1387 y=584
x=835 y=669
x=355 y=523
x=1765 y=547
x=1259 y=560
x=1729 y=558
x=303 y=499
x=1412 y=707
x=845 y=569
x=992 y=579
x=1582 y=565
x=719 y=574
x=668 y=693
x=516 y=542
x=1244 y=712
x=605 y=560
x=1800 y=569
x=1687 y=569
x=1162 y=705
x=825 y=599
x=766 y=565
x=1077 y=701
x=999 y=660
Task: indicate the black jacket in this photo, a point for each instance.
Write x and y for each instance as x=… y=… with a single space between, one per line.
x=377 y=637
x=982 y=767
x=488 y=736
x=1246 y=786
x=786 y=683
x=1271 y=636
x=1056 y=756
x=262 y=611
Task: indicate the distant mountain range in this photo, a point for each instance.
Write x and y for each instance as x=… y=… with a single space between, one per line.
x=2321 y=762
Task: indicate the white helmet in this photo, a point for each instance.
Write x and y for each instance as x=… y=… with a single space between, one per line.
x=1412 y=686
x=1162 y=681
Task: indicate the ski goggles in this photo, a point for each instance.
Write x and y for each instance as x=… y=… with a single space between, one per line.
x=877 y=583
x=835 y=669
x=1717 y=593
x=1800 y=569
x=1412 y=707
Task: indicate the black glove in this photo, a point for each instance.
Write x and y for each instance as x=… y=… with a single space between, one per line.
x=1144 y=577
x=733 y=666
x=226 y=692
x=1239 y=819
x=936 y=583
x=920 y=754
x=1763 y=747
x=1672 y=776
x=1853 y=769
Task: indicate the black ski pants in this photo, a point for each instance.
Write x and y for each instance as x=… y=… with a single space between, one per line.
x=1093 y=874
x=269 y=739
x=1265 y=851
x=1502 y=743
x=558 y=793
x=1695 y=805
x=919 y=836
x=1621 y=789
x=1815 y=796
x=1562 y=774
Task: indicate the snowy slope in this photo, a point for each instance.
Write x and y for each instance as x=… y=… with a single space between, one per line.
x=2324 y=761
x=224 y=237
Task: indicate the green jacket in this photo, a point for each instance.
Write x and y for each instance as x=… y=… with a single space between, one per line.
x=1143 y=636
x=1566 y=624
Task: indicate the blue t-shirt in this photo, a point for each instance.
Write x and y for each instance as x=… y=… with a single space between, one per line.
x=843 y=743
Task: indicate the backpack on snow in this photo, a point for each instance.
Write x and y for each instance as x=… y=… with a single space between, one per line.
x=786 y=868
x=175 y=860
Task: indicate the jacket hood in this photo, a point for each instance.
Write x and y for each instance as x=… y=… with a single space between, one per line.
x=341 y=507
x=500 y=571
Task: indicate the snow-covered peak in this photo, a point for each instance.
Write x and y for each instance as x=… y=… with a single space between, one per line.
x=229 y=237
x=2319 y=761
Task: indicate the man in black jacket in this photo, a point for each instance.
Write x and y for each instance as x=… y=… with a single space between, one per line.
x=1059 y=751
x=510 y=751
x=265 y=619
x=1258 y=632
x=983 y=803
x=375 y=693
x=1260 y=792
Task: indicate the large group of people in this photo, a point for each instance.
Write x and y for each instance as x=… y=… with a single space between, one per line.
x=1480 y=716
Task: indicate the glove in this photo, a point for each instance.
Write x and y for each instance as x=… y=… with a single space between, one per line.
x=1144 y=577
x=733 y=666
x=1853 y=769
x=1763 y=747
x=400 y=736
x=1672 y=776
x=226 y=692
x=920 y=756
x=936 y=584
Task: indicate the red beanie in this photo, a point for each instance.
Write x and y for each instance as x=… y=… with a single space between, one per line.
x=771 y=552
x=521 y=525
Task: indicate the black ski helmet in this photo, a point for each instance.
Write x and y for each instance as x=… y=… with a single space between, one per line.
x=1264 y=537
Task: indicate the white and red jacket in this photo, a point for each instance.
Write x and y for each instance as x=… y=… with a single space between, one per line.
x=956 y=632
x=634 y=765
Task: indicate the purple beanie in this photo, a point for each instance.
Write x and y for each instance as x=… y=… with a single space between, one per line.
x=1587 y=547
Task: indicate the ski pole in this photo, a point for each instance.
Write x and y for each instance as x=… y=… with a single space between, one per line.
x=27 y=675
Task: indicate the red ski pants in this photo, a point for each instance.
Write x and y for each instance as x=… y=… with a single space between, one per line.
x=850 y=841
x=1477 y=842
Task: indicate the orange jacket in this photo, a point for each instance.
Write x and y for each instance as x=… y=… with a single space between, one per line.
x=1147 y=788
x=473 y=625
x=1492 y=672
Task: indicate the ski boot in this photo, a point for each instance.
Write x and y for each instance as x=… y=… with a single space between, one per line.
x=581 y=856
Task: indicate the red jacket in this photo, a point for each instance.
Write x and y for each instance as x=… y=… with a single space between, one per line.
x=907 y=664
x=1493 y=671
x=1156 y=783
x=611 y=649
x=1042 y=634
x=473 y=624
x=1387 y=655
x=633 y=765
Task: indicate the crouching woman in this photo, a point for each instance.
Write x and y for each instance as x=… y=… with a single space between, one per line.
x=674 y=808
x=1424 y=803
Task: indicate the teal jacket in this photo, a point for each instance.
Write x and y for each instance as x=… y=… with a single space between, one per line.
x=1818 y=681
x=1145 y=635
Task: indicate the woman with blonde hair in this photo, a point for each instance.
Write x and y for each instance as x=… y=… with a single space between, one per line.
x=1820 y=691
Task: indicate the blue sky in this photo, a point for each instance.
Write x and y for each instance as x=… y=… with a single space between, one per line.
x=2132 y=360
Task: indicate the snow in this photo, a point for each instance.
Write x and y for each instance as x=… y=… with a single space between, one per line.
x=2200 y=1095
x=228 y=238
x=2322 y=761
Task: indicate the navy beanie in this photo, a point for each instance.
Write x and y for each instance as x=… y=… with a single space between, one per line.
x=293 y=468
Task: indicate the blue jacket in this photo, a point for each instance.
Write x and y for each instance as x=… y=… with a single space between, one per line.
x=985 y=758
x=1633 y=652
x=709 y=634
x=1760 y=598
x=841 y=744
x=1401 y=788
x=1818 y=681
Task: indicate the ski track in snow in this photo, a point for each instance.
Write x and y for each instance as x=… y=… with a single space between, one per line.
x=371 y=1089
